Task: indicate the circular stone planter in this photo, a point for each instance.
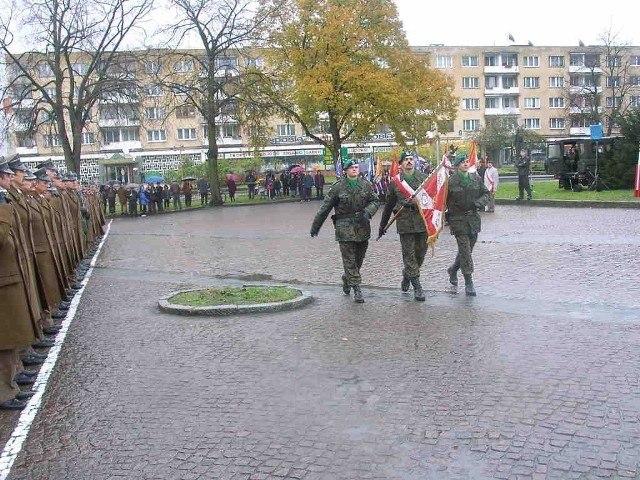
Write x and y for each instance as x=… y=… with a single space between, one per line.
x=231 y=309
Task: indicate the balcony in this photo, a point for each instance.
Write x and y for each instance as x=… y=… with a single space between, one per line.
x=502 y=111
x=123 y=146
x=584 y=69
x=584 y=110
x=119 y=122
x=584 y=89
x=500 y=91
x=502 y=70
x=27 y=150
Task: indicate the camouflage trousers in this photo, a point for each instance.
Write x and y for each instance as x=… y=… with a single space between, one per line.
x=414 y=249
x=464 y=260
x=352 y=257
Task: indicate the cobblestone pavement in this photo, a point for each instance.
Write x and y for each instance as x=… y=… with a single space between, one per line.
x=536 y=378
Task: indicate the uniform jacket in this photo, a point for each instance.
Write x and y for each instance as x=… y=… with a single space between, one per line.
x=353 y=206
x=410 y=219
x=523 y=164
x=463 y=203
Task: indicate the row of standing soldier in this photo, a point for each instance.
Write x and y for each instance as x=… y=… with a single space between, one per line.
x=49 y=226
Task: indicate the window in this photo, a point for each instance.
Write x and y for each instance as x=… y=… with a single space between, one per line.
x=156 y=135
x=115 y=135
x=179 y=89
x=444 y=61
x=470 y=82
x=490 y=82
x=253 y=62
x=25 y=140
x=154 y=113
x=470 y=61
x=226 y=62
x=634 y=80
x=634 y=101
x=286 y=129
x=470 y=104
x=613 y=102
x=88 y=138
x=556 y=102
x=613 y=81
x=187 y=134
x=185 y=111
x=471 y=125
x=151 y=66
x=556 y=123
x=184 y=65
x=532 y=123
x=52 y=141
x=230 y=130
x=153 y=90
x=614 y=61
x=492 y=102
x=589 y=60
x=44 y=70
x=491 y=61
x=80 y=68
x=556 y=82
x=129 y=134
x=531 y=61
x=634 y=60
x=509 y=60
x=51 y=91
x=531 y=102
x=531 y=82
x=509 y=82
x=556 y=61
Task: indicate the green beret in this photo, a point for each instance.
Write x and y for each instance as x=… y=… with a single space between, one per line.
x=347 y=163
x=461 y=157
x=404 y=155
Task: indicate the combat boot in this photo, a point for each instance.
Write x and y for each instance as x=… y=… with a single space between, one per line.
x=405 y=283
x=418 y=293
x=345 y=286
x=469 y=289
x=453 y=275
x=357 y=294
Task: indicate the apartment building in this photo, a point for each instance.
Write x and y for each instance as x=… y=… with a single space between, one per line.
x=549 y=90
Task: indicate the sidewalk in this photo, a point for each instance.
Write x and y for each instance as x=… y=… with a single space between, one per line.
x=534 y=378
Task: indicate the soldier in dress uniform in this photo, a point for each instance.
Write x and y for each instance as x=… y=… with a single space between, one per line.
x=17 y=328
x=409 y=223
x=354 y=202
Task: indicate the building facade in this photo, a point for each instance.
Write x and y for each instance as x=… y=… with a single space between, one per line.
x=550 y=90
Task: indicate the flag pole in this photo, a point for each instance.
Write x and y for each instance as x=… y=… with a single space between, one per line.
x=410 y=199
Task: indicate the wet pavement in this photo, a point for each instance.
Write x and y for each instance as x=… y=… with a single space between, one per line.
x=536 y=378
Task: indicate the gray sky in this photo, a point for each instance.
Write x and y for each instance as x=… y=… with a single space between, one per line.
x=543 y=22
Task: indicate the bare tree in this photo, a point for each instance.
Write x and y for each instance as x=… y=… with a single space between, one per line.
x=69 y=62
x=211 y=79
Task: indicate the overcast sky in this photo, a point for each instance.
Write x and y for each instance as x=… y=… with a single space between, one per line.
x=543 y=22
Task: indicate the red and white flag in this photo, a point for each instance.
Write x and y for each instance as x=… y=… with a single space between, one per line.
x=473 y=158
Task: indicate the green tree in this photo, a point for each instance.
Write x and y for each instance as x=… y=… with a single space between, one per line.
x=619 y=168
x=343 y=68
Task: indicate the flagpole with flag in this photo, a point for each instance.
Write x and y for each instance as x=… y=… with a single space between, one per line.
x=394 y=166
x=473 y=158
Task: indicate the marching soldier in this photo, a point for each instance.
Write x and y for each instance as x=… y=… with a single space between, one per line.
x=355 y=203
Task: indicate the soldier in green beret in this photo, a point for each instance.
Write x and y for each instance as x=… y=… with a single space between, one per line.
x=354 y=202
x=466 y=195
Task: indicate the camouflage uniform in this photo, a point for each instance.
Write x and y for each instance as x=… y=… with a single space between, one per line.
x=409 y=224
x=354 y=206
x=464 y=199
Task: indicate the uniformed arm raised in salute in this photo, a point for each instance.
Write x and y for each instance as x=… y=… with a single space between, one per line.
x=354 y=203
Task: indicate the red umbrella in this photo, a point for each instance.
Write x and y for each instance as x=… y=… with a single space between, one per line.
x=297 y=169
x=232 y=176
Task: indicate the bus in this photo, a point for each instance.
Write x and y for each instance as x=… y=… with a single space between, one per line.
x=576 y=161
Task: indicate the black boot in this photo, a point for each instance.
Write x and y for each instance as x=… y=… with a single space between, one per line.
x=405 y=283
x=468 y=285
x=418 y=293
x=345 y=286
x=357 y=294
x=453 y=275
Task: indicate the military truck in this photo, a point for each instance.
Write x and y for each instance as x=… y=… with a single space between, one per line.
x=576 y=161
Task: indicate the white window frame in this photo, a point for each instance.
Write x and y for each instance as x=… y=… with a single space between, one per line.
x=88 y=138
x=492 y=102
x=470 y=61
x=556 y=82
x=613 y=81
x=444 y=61
x=470 y=82
x=471 y=104
x=470 y=125
x=556 y=123
x=613 y=102
x=186 y=134
x=154 y=136
x=184 y=65
x=152 y=66
x=556 y=61
x=286 y=130
x=556 y=102
x=153 y=90
x=634 y=60
x=531 y=123
x=634 y=101
x=52 y=140
x=531 y=61
x=531 y=102
x=531 y=82
x=155 y=113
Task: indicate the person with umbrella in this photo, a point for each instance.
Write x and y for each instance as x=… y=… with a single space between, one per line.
x=354 y=203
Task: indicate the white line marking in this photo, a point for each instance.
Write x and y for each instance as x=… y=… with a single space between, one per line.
x=19 y=434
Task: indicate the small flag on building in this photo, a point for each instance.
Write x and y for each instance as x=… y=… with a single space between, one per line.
x=511 y=39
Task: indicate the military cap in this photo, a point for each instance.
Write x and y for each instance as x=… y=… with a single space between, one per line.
x=15 y=164
x=348 y=163
x=48 y=164
x=29 y=175
x=404 y=155
x=461 y=157
x=4 y=168
x=70 y=177
x=41 y=175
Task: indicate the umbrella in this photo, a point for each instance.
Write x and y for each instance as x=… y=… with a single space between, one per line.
x=297 y=169
x=189 y=179
x=154 y=179
x=232 y=176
